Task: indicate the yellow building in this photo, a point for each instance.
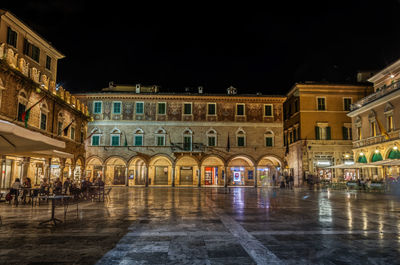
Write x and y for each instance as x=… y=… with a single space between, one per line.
x=49 y=143
x=376 y=125
x=317 y=131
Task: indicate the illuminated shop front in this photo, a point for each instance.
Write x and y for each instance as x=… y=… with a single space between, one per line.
x=241 y=172
x=268 y=171
x=323 y=170
x=213 y=168
x=211 y=176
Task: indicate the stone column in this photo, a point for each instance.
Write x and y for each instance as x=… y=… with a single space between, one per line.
x=48 y=173
x=2 y=162
x=173 y=176
x=103 y=173
x=199 y=177
x=126 y=176
x=24 y=168
x=255 y=177
x=226 y=177
x=146 y=181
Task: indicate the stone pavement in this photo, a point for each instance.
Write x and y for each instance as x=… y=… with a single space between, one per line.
x=209 y=226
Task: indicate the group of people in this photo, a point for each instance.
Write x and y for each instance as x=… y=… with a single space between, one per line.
x=287 y=182
x=56 y=187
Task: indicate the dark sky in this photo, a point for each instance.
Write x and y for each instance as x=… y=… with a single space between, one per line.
x=254 y=48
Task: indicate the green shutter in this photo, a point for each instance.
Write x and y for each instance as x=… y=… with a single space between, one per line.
x=328 y=133
x=317 y=133
x=377 y=157
x=394 y=154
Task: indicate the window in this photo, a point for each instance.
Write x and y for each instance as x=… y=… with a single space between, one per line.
x=347 y=104
x=11 y=37
x=240 y=137
x=212 y=109
x=240 y=141
x=211 y=141
x=115 y=140
x=322 y=132
x=346 y=133
x=117 y=107
x=269 y=139
x=21 y=109
x=73 y=133
x=160 y=140
x=138 y=140
x=48 y=62
x=187 y=108
x=59 y=127
x=95 y=140
x=390 y=123
x=240 y=109
x=321 y=104
x=82 y=135
x=161 y=108
x=187 y=140
x=139 y=107
x=359 y=133
x=43 y=121
x=268 y=110
x=97 y=107
x=373 y=128
x=31 y=50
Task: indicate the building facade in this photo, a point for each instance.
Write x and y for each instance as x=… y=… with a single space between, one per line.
x=317 y=131
x=376 y=125
x=140 y=136
x=42 y=127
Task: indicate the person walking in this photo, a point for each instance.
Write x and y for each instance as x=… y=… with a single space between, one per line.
x=291 y=181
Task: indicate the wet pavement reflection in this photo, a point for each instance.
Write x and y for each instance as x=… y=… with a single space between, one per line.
x=209 y=226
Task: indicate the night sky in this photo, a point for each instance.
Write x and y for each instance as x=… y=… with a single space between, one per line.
x=254 y=48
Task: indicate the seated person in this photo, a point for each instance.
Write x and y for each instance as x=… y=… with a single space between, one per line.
x=44 y=187
x=57 y=186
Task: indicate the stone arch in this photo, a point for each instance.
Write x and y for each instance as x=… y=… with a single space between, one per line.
x=240 y=170
x=115 y=170
x=273 y=158
x=92 y=158
x=186 y=170
x=212 y=167
x=112 y=159
x=243 y=156
x=160 y=170
x=268 y=170
x=137 y=170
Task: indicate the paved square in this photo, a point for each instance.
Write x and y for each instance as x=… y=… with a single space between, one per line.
x=209 y=226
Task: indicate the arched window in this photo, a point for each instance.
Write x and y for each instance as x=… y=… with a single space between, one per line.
x=240 y=138
x=44 y=111
x=211 y=137
x=96 y=136
x=115 y=137
x=160 y=137
x=187 y=139
x=22 y=103
x=138 y=137
x=269 y=138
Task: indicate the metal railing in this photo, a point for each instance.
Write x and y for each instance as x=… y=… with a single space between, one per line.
x=374 y=96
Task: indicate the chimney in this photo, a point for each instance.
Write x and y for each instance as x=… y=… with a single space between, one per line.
x=137 y=88
x=200 y=88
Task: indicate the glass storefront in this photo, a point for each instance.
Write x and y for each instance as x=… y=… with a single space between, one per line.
x=211 y=176
x=241 y=176
x=160 y=176
x=186 y=176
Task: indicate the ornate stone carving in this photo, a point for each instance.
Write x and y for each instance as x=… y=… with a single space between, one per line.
x=107 y=110
x=45 y=81
x=226 y=112
x=23 y=66
x=12 y=58
x=35 y=73
x=254 y=112
x=174 y=111
x=199 y=111
x=127 y=107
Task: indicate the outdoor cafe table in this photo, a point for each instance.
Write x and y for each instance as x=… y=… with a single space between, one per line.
x=99 y=190
x=31 y=190
x=53 y=207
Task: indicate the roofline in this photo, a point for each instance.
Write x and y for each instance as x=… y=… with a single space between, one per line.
x=384 y=71
x=37 y=36
x=326 y=85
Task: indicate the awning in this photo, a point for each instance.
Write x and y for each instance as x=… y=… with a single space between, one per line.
x=52 y=153
x=355 y=165
x=16 y=139
x=387 y=162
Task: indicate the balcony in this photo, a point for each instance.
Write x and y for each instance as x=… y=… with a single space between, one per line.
x=378 y=94
x=187 y=147
x=376 y=139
